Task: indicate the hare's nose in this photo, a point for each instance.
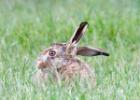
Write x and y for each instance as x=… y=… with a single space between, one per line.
x=41 y=64
x=42 y=61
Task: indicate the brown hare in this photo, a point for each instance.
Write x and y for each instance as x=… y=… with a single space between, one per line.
x=60 y=59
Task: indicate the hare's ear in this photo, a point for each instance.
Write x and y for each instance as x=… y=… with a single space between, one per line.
x=86 y=51
x=79 y=33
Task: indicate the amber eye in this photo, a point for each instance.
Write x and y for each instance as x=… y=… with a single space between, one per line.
x=52 y=53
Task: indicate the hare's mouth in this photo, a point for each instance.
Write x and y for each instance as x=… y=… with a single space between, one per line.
x=43 y=65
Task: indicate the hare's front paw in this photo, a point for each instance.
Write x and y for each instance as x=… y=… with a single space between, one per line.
x=39 y=77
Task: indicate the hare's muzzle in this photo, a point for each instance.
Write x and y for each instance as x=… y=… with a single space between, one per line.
x=42 y=62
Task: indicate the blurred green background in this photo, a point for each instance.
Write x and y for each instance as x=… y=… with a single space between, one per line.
x=29 y=26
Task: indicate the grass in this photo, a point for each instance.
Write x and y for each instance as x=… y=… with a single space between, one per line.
x=28 y=26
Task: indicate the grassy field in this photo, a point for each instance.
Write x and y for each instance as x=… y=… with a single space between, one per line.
x=28 y=26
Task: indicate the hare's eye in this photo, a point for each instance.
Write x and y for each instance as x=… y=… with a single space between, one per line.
x=52 y=53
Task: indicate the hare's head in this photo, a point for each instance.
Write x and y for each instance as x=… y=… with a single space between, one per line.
x=58 y=53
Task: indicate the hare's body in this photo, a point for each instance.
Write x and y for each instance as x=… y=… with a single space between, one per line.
x=68 y=71
x=61 y=63
x=73 y=68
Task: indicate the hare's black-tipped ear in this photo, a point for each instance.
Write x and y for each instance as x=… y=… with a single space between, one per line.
x=86 y=51
x=79 y=32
